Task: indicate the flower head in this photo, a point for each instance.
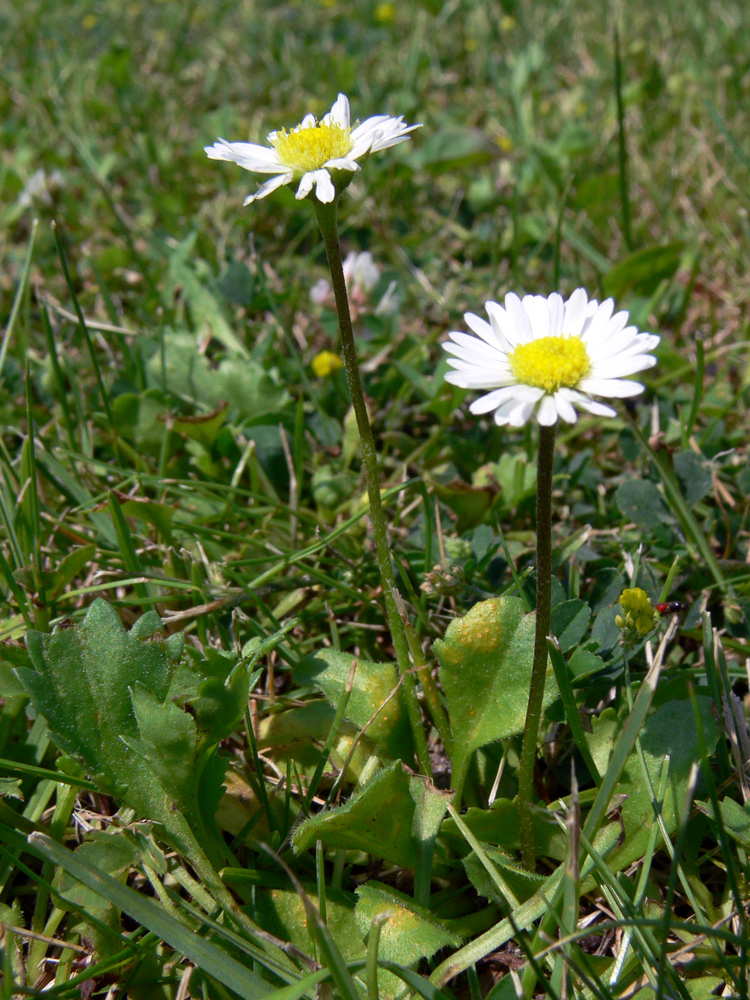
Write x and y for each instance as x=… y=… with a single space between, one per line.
x=547 y=357
x=326 y=363
x=638 y=614
x=361 y=275
x=310 y=151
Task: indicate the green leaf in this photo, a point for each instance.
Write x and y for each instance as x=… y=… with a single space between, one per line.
x=111 y=852
x=159 y=515
x=381 y=819
x=282 y=912
x=583 y=662
x=523 y=883
x=139 y=718
x=67 y=569
x=643 y=270
x=640 y=501
x=204 y=428
x=204 y=953
x=569 y=623
x=669 y=730
x=207 y=314
x=514 y=474
x=499 y=825
x=331 y=488
x=238 y=381
x=373 y=685
x=238 y=284
x=471 y=503
x=485 y=669
x=412 y=932
x=736 y=820
x=694 y=474
x=11 y=788
x=298 y=733
x=596 y=192
x=142 y=416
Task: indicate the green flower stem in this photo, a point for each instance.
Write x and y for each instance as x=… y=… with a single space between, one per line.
x=394 y=605
x=539 y=669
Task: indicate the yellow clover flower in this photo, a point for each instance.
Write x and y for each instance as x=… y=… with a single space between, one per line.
x=326 y=363
x=639 y=615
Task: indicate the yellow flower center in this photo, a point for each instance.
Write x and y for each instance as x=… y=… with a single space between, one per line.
x=551 y=362
x=305 y=149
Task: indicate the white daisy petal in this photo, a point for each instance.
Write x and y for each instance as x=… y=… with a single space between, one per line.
x=479 y=348
x=620 y=366
x=472 y=379
x=503 y=326
x=556 y=305
x=482 y=329
x=536 y=308
x=267 y=187
x=518 y=317
x=495 y=399
x=575 y=313
x=545 y=358
x=565 y=407
x=380 y=132
x=297 y=157
x=521 y=414
x=614 y=387
x=547 y=412
x=324 y=188
x=340 y=114
x=342 y=163
x=259 y=159
x=598 y=409
x=305 y=185
x=597 y=321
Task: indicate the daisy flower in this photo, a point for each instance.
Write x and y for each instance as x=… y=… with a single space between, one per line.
x=310 y=152
x=547 y=357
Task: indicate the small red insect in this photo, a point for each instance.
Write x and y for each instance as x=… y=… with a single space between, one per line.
x=671 y=607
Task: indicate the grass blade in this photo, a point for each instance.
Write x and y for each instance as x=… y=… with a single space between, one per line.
x=206 y=955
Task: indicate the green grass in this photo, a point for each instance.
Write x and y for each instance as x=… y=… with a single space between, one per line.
x=177 y=452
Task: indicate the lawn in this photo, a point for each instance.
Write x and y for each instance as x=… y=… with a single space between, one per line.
x=270 y=653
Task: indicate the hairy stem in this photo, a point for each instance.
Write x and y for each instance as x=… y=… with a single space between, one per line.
x=394 y=606
x=539 y=669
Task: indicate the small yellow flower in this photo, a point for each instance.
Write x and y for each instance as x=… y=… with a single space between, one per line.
x=638 y=613
x=326 y=363
x=385 y=13
x=504 y=143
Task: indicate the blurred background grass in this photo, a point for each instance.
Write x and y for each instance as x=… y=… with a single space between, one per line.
x=114 y=102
